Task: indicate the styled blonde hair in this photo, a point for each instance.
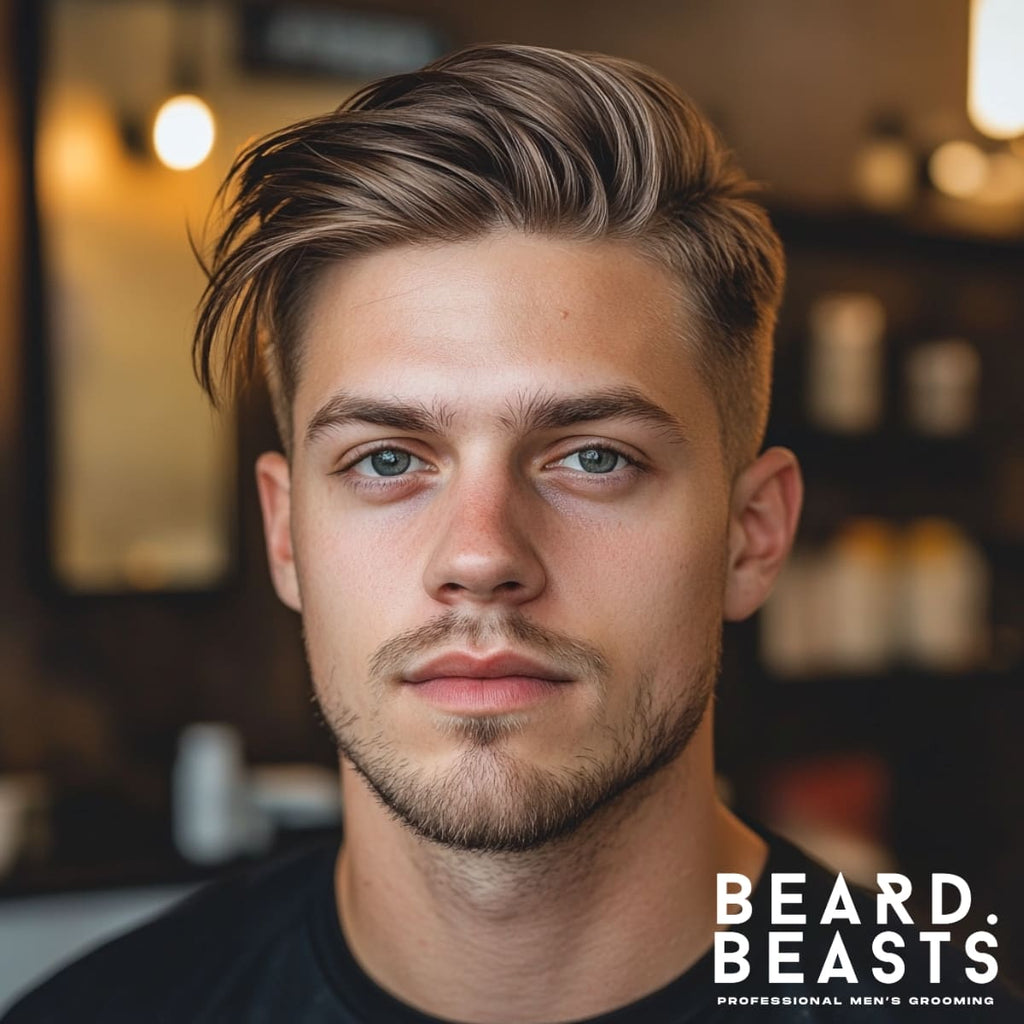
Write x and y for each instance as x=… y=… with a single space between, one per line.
x=570 y=145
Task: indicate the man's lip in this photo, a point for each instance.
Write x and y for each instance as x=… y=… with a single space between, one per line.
x=497 y=665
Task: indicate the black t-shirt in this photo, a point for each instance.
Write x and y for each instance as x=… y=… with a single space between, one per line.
x=266 y=946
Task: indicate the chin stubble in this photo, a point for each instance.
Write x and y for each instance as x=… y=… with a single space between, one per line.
x=490 y=800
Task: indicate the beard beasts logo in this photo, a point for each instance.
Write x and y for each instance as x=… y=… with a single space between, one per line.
x=783 y=959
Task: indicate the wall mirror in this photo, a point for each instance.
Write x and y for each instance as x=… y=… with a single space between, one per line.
x=142 y=474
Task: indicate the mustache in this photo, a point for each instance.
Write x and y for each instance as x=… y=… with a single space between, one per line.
x=576 y=657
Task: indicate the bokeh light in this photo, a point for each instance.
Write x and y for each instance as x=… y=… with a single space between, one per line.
x=183 y=132
x=958 y=168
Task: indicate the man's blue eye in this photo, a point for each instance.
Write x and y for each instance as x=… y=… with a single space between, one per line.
x=595 y=460
x=386 y=462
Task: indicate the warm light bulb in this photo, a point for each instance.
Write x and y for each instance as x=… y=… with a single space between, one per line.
x=958 y=168
x=183 y=132
x=995 y=82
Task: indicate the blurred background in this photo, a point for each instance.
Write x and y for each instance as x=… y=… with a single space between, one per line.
x=156 y=725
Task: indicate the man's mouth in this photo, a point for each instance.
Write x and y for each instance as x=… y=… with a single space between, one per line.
x=498 y=682
x=495 y=665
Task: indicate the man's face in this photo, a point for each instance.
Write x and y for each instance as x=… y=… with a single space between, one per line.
x=509 y=516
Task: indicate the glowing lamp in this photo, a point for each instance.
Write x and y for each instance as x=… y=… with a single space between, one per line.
x=995 y=77
x=183 y=132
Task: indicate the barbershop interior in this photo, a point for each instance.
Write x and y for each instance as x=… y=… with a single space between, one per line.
x=157 y=727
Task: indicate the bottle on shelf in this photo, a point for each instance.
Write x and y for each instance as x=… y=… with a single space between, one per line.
x=832 y=608
x=844 y=389
x=942 y=386
x=945 y=583
x=210 y=814
x=858 y=594
x=877 y=597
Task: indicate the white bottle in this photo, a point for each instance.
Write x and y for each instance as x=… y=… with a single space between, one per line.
x=209 y=797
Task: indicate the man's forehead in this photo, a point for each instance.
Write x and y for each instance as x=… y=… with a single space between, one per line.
x=518 y=323
x=537 y=274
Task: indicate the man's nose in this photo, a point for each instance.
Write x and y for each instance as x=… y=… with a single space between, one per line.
x=483 y=553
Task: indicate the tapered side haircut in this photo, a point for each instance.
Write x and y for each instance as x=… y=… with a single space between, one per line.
x=568 y=145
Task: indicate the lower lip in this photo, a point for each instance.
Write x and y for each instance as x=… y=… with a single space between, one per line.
x=468 y=695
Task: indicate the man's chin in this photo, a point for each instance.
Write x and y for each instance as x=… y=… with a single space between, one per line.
x=489 y=800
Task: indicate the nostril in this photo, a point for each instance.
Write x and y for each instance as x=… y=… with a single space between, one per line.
x=506 y=587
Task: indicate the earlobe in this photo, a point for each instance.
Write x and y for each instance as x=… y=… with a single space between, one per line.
x=766 y=500
x=273 y=481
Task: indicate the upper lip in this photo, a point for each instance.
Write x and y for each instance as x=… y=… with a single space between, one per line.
x=483 y=666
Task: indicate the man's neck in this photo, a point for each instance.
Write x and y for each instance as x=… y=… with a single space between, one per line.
x=570 y=931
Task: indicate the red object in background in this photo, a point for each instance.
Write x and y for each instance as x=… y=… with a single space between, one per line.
x=846 y=793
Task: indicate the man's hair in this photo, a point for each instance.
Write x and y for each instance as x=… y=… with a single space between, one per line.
x=568 y=145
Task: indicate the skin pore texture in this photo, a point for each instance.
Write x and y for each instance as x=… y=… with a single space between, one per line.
x=503 y=449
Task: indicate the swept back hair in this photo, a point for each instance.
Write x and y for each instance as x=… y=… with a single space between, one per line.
x=571 y=145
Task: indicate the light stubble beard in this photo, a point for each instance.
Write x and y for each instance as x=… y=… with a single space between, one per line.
x=491 y=801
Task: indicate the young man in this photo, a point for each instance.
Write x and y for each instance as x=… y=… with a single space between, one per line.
x=516 y=317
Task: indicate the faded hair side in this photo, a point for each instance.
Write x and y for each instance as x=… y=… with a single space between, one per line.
x=571 y=145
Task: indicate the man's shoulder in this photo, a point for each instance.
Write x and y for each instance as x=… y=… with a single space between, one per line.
x=180 y=957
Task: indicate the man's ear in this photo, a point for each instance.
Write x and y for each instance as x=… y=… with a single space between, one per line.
x=273 y=481
x=766 y=499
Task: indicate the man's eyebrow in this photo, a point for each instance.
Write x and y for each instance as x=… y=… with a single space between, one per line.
x=343 y=408
x=524 y=413
x=544 y=411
